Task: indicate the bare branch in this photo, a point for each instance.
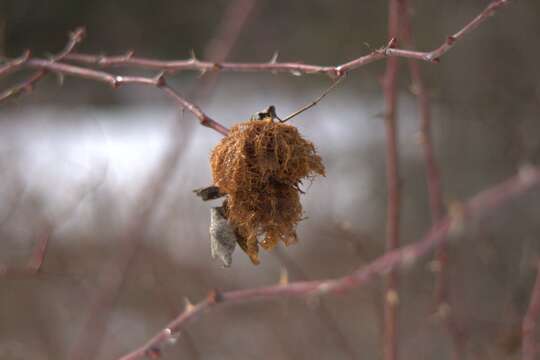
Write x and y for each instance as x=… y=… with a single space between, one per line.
x=485 y=202
x=435 y=55
x=13 y=65
x=315 y=102
x=27 y=85
x=128 y=60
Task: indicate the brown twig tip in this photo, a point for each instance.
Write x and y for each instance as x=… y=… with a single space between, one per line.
x=78 y=34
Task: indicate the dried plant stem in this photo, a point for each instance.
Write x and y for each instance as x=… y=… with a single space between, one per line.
x=391 y=299
x=486 y=202
x=433 y=184
x=530 y=347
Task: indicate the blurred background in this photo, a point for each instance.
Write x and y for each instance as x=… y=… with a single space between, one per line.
x=104 y=179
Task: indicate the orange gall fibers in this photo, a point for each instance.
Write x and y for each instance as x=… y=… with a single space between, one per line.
x=260 y=165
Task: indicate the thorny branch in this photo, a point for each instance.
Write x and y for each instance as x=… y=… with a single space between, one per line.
x=451 y=226
x=55 y=65
x=435 y=55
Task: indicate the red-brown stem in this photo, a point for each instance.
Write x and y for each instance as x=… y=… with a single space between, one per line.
x=451 y=226
x=390 y=331
x=435 y=55
x=196 y=65
x=529 y=345
x=433 y=184
x=202 y=66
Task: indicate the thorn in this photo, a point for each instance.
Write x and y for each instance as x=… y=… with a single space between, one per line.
x=392 y=43
x=60 y=77
x=450 y=40
x=193 y=56
x=129 y=54
x=188 y=306
x=283 y=276
x=392 y=297
x=160 y=79
x=456 y=214
x=274 y=58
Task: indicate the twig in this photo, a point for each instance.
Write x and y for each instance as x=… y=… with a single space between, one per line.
x=391 y=297
x=529 y=344
x=482 y=204
x=45 y=231
x=130 y=60
x=435 y=55
x=115 y=81
x=27 y=85
x=13 y=65
x=314 y=102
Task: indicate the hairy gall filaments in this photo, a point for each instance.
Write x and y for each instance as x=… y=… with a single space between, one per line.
x=260 y=165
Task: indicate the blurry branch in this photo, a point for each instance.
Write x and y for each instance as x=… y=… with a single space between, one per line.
x=93 y=332
x=436 y=203
x=391 y=292
x=47 y=227
x=14 y=64
x=486 y=202
x=530 y=345
x=435 y=55
x=322 y=312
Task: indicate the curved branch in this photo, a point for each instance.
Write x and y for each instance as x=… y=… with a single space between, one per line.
x=129 y=60
x=485 y=202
